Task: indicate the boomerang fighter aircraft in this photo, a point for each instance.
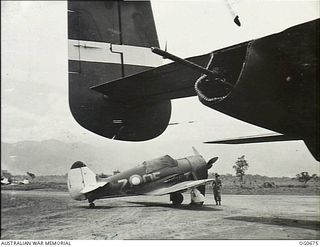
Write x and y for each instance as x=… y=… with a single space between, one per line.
x=157 y=177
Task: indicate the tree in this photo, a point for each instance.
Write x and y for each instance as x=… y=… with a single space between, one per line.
x=305 y=177
x=240 y=167
x=5 y=173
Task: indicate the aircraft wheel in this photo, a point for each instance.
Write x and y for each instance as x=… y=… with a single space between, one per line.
x=176 y=198
x=91 y=205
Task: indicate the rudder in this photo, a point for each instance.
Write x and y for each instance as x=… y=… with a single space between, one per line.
x=79 y=178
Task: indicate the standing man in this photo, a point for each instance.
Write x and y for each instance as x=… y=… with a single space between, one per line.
x=216 y=186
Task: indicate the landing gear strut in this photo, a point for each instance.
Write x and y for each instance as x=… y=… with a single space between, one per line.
x=176 y=198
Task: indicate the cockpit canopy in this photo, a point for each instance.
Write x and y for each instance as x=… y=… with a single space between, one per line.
x=159 y=163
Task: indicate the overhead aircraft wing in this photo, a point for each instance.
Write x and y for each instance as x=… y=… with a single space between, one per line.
x=169 y=81
x=92 y=187
x=179 y=187
x=274 y=82
x=273 y=137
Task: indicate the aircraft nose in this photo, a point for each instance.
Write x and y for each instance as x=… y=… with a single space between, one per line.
x=200 y=168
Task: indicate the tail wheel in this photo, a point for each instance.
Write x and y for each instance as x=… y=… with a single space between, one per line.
x=91 y=205
x=176 y=198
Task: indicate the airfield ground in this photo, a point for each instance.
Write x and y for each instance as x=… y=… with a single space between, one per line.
x=45 y=214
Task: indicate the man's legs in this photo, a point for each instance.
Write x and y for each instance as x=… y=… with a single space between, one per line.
x=216 y=199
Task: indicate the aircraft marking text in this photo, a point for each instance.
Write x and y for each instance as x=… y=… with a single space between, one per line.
x=136 y=179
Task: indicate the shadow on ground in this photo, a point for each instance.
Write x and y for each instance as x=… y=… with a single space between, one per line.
x=182 y=206
x=307 y=224
x=152 y=204
x=96 y=207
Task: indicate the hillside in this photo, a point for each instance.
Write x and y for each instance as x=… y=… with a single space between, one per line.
x=44 y=158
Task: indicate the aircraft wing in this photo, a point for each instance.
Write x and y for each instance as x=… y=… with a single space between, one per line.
x=179 y=187
x=272 y=137
x=169 y=81
x=92 y=187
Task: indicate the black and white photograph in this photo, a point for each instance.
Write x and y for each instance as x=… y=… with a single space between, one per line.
x=160 y=120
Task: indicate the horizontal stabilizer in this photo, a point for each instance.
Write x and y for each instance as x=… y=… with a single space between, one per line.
x=92 y=187
x=169 y=81
x=179 y=187
x=273 y=137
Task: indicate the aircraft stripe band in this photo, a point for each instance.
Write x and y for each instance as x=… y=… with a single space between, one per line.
x=100 y=52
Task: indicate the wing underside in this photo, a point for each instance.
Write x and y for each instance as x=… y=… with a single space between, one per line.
x=170 y=81
x=165 y=82
x=180 y=187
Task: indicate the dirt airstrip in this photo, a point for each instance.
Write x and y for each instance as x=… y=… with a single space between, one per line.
x=45 y=214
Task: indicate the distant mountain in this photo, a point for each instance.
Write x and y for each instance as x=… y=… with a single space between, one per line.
x=45 y=157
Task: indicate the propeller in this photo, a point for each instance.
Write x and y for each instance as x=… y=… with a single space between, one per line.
x=201 y=172
x=209 y=163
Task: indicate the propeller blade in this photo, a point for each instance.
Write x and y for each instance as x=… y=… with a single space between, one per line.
x=202 y=172
x=195 y=151
x=211 y=162
x=202 y=189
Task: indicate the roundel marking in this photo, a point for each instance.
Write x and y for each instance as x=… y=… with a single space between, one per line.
x=135 y=180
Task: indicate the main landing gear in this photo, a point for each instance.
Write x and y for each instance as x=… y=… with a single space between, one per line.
x=91 y=204
x=197 y=198
x=176 y=198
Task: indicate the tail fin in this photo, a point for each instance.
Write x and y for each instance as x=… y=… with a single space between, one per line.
x=109 y=40
x=115 y=35
x=81 y=180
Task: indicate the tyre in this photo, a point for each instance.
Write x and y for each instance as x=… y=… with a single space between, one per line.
x=176 y=198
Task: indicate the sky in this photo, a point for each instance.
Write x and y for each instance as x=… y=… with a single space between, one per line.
x=34 y=82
